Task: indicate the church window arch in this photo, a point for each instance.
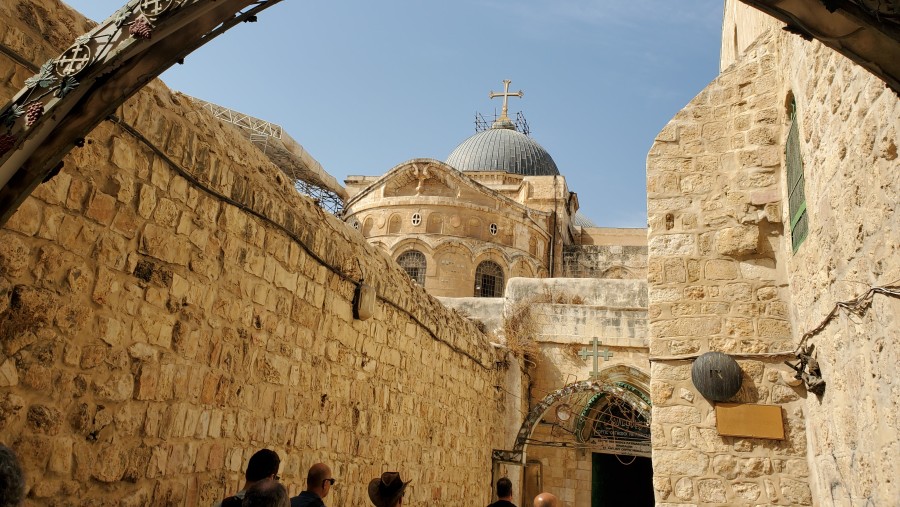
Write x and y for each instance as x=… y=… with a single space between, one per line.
x=414 y=263
x=489 y=280
x=435 y=223
x=368 y=225
x=394 y=225
x=532 y=246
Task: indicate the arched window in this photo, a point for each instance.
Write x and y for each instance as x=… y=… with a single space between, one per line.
x=368 y=224
x=489 y=280
x=413 y=262
x=394 y=224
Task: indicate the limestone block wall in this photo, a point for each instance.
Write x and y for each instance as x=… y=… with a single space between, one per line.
x=849 y=122
x=164 y=314
x=604 y=261
x=717 y=281
x=709 y=176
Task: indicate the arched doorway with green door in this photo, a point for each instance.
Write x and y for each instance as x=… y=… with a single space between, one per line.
x=599 y=431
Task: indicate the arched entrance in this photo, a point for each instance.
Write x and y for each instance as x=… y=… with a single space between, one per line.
x=604 y=425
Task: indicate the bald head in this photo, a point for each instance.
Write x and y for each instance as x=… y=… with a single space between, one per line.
x=319 y=479
x=546 y=500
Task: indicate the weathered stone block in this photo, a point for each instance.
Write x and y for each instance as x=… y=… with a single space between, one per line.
x=676 y=415
x=711 y=490
x=737 y=241
x=26 y=219
x=679 y=462
x=101 y=207
x=758 y=269
x=672 y=245
x=717 y=269
x=684 y=489
x=774 y=328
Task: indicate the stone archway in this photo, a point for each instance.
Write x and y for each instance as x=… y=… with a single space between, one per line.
x=75 y=91
x=603 y=425
x=632 y=395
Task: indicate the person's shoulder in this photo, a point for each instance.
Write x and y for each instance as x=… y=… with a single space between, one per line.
x=231 y=501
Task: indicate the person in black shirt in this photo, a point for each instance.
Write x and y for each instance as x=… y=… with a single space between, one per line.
x=504 y=494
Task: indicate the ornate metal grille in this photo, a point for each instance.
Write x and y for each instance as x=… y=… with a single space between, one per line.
x=795 y=180
x=489 y=280
x=414 y=263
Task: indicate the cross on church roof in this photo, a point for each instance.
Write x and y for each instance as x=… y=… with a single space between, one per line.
x=503 y=120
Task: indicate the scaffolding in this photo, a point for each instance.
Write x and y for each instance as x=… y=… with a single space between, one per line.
x=520 y=123
x=306 y=174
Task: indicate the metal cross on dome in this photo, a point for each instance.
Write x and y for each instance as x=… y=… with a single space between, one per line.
x=506 y=95
x=595 y=353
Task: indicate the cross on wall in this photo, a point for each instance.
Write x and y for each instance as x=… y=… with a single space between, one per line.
x=595 y=353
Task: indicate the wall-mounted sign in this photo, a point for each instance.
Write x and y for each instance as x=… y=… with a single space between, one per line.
x=749 y=420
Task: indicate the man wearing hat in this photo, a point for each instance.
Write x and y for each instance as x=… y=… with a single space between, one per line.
x=387 y=491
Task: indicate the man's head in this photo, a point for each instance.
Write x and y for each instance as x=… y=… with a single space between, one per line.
x=319 y=479
x=12 y=480
x=262 y=465
x=546 y=500
x=266 y=493
x=504 y=489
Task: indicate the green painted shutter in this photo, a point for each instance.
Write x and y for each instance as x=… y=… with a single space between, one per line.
x=795 y=181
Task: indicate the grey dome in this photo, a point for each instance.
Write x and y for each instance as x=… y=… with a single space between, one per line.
x=580 y=220
x=503 y=149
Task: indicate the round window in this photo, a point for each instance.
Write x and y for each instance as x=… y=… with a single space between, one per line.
x=356 y=224
x=493 y=229
x=416 y=219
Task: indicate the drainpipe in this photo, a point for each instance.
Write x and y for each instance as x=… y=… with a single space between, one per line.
x=553 y=236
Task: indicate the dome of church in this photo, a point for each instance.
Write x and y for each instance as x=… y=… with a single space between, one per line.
x=580 y=220
x=503 y=149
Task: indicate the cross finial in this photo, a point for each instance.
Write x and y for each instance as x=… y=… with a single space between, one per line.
x=503 y=120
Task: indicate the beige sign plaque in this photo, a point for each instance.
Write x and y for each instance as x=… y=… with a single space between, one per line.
x=748 y=420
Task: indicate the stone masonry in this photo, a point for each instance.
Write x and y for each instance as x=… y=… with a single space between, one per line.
x=723 y=275
x=715 y=226
x=153 y=334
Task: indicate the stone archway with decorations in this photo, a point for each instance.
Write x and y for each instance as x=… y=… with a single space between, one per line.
x=609 y=413
x=75 y=91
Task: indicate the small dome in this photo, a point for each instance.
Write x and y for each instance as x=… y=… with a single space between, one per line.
x=503 y=149
x=580 y=220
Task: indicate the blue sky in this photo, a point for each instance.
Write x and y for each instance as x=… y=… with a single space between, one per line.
x=364 y=85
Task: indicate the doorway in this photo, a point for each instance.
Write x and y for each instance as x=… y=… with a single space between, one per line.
x=621 y=480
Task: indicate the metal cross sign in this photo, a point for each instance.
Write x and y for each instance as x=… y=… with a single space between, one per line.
x=506 y=95
x=595 y=353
